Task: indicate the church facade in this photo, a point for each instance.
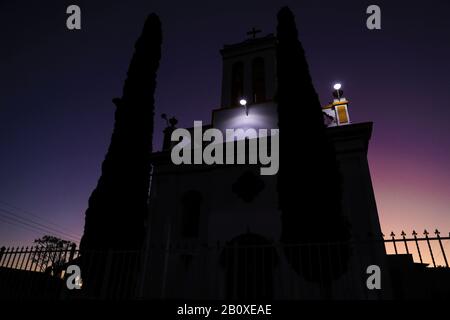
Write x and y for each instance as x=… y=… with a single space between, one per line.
x=213 y=230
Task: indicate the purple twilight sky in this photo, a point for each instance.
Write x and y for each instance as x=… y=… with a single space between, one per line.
x=56 y=87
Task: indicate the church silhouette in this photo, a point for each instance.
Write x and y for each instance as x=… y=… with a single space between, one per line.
x=226 y=231
x=223 y=222
x=270 y=200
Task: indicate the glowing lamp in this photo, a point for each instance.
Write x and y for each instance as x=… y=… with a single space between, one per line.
x=243 y=103
x=337 y=86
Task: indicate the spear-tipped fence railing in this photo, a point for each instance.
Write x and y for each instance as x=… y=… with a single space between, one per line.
x=31 y=270
x=39 y=272
x=430 y=254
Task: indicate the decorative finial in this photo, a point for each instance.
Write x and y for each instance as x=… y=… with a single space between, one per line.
x=253 y=32
x=172 y=122
x=164 y=116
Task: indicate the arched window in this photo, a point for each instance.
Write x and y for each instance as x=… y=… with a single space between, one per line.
x=237 y=82
x=258 y=80
x=190 y=210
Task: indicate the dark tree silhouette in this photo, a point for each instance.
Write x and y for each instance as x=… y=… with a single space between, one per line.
x=115 y=219
x=309 y=183
x=118 y=206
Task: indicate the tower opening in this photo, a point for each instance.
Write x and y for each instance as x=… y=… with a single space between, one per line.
x=237 y=82
x=258 y=80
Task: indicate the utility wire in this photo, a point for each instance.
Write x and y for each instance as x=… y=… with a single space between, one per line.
x=35 y=231
x=33 y=228
x=11 y=216
x=15 y=208
x=16 y=215
x=26 y=226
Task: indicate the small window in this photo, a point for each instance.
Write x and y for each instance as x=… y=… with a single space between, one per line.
x=341 y=111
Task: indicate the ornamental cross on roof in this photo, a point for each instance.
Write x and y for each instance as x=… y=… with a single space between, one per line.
x=253 y=32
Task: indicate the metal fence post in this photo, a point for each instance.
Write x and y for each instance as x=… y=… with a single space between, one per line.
x=393 y=241
x=107 y=277
x=2 y=251
x=403 y=234
x=414 y=233
x=437 y=233
x=72 y=252
x=429 y=247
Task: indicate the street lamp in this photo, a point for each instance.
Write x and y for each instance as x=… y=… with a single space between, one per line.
x=243 y=103
x=337 y=87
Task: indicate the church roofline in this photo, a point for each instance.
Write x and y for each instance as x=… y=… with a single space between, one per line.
x=248 y=46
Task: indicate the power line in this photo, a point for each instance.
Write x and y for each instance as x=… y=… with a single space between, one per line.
x=26 y=226
x=32 y=228
x=16 y=215
x=20 y=226
x=35 y=225
x=16 y=208
x=35 y=216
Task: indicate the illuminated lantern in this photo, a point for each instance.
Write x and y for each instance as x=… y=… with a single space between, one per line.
x=336 y=113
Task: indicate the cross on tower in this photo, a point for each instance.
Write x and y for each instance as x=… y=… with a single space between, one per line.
x=253 y=32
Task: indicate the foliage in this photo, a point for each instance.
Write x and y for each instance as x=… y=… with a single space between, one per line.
x=115 y=218
x=52 y=253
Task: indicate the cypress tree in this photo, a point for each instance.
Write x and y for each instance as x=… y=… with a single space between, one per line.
x=118 y=206
x=309 y=182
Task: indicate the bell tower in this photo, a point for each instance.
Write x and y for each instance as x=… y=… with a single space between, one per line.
x=249 y=71
x=248 y=85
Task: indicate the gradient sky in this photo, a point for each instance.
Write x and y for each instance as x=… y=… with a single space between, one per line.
x=56 y=86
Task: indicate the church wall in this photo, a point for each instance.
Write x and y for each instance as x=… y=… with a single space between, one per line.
x=260 y=116
x=194 y=269
x=224 y=216
x=221 y=207
x=351 y=143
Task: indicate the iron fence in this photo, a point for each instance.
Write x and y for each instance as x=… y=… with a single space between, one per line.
x=36 y=272
x=430 y=256
x=171 y=270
